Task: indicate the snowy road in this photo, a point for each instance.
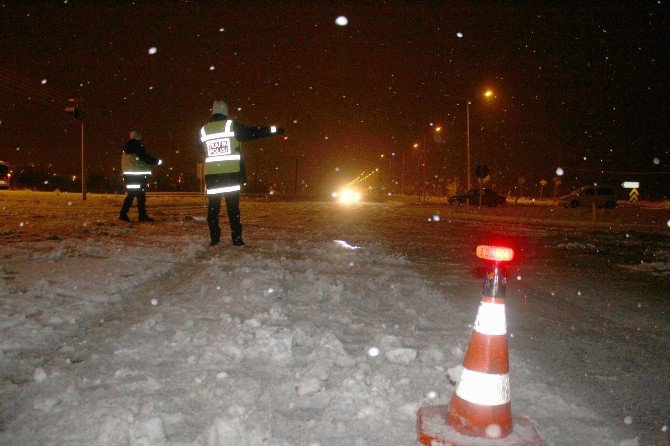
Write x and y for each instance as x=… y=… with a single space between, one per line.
x=142 y=334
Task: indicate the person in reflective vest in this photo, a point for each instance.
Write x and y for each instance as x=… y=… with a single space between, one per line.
x=225 y=172
x=136 y=167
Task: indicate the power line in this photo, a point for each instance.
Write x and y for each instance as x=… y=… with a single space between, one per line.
x=24 y=84
x=621 y=172
x=14 y=82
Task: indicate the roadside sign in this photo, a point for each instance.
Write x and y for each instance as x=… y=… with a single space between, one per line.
x=481 y=170
x=630 y=184
x=633 y=196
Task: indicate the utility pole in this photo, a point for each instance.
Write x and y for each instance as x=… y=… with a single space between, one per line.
x=422 y=166
x=467 y=167
x=76 y=109
x=258 y=167
x=295 y=179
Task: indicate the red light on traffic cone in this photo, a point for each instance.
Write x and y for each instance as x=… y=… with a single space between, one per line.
x=481 y=406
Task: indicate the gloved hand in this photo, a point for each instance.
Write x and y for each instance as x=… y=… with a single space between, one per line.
x=159 y=162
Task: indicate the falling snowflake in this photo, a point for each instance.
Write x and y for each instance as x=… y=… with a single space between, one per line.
x=44 y=81
x=432 y=394
x=211 y=68
x=559 y=172
x=459 y=35
x=373 y=352
x=342 y=21
x=154 y=302
x=221 y=30
x=152 y=50
x=436 y=218
x=657 y=161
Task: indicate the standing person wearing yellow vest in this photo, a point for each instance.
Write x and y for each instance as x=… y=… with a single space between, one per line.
x=136 y=166
x=225 y=172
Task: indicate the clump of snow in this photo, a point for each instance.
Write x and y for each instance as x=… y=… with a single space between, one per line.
x=401 y=356
x=39 y=375
x=577 y=246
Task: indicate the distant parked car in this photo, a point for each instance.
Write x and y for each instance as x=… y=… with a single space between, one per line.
x=489 y=198
x=5 y=175
x=602 y=196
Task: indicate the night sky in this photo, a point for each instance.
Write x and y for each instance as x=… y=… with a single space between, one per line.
x=584 y=88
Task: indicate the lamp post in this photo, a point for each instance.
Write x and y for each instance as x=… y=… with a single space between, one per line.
x=402 y=176
x=422 y=167
x=487 y=94
x=467 y=167
x=76 y=109
x=390 y=169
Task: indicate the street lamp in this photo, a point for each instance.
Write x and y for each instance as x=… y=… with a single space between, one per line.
x=76 y=109
x=424 y=163
x=402 y=177
x=390 y=171
x=487 y=94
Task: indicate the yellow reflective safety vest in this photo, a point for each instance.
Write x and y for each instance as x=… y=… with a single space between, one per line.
x=135 y=171
x=132 y=165
x=223 y=157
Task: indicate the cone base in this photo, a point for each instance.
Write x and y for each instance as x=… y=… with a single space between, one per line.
x=433 y=430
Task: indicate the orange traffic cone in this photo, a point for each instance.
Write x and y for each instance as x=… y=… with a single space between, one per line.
x=481 y=407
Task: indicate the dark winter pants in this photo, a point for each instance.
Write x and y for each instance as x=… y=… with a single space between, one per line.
x=141 y=198
x=233 y=209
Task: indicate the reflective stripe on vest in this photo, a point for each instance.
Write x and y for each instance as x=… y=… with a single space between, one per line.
x=133 y=186
x=223 y=190
x=227 y=133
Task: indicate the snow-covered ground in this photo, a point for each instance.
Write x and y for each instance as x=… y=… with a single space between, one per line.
x=331 y=327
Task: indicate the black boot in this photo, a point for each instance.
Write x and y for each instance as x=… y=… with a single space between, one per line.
x=214 y=235
x=127 y=202
x=142 y=206
x=237 y=240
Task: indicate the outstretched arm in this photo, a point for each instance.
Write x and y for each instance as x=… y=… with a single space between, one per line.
x=145 y=157
x=244 y=133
